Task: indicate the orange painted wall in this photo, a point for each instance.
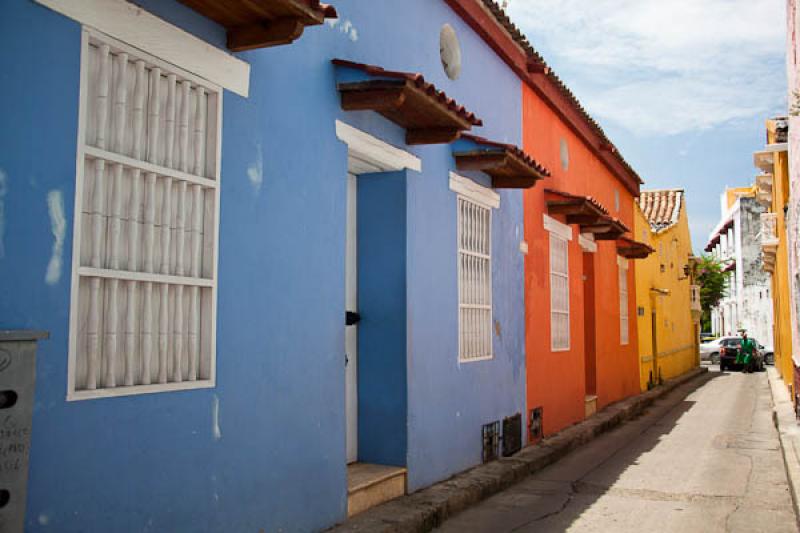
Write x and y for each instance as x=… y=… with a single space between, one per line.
x=557 y=380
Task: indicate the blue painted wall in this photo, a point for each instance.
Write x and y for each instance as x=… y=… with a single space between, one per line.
x=152 y=463
x=382 y=285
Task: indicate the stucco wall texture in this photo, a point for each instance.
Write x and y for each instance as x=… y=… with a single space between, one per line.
x=793 y=71
x=753 y=283
x=676 y=349
x=557 y=380
x=780 y=283
x=251 y=453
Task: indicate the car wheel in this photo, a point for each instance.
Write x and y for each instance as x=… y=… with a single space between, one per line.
x=715 y=358
x=722 y=367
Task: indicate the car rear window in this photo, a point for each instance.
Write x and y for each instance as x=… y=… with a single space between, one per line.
x=732 y=342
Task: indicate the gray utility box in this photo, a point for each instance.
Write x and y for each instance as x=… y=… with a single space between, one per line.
x=17 y=381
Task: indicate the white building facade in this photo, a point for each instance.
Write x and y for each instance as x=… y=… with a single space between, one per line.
x=735 y=242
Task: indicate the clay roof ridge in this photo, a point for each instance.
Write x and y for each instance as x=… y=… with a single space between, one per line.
x=661 y=207
x=516 y=34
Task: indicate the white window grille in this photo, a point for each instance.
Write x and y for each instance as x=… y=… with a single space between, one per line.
x=559 y=293
x=624 y=321
x=143 y=313
x=474 y=280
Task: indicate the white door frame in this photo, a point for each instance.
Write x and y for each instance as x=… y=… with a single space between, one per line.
x=365 y=154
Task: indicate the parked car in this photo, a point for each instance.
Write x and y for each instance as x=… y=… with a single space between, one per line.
x=709 y=351
x=707 y=337
x=769 y=354
x=729 y=351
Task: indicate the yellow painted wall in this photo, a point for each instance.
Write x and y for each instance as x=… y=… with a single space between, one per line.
x=733 y=194
x=676 y=335
x=782 y=333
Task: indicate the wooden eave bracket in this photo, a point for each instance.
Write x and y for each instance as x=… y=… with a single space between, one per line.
x=251 y=25
x=402 y=102
x=582 y=212
x=506 y=169
x=265 y=34
x=606 y=230
x=630 y=249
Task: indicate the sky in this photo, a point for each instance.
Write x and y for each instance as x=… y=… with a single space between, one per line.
x=682 y=87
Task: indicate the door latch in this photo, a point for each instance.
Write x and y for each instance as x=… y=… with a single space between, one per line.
x=351 y=318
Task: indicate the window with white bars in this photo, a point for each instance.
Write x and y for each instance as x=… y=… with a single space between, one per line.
x=624 y=322
x=474 y=280
x=559 y=293
x=143 y=315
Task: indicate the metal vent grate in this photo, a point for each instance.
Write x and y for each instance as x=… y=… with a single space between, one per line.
x=512 y=434
x=491 y=441
x=535 y=424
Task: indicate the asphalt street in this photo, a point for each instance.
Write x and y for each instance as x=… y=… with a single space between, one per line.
x=704 y=458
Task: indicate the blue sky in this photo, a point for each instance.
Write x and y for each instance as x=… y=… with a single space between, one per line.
x=682 y=87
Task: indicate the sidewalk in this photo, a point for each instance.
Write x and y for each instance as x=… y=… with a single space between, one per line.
x=428 y=508
x=788 y=431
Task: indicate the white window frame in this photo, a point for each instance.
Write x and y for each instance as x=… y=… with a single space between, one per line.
x=141 y=29
x=483 y=199
x=624 y=303
x=562 y=234
x=205 y=281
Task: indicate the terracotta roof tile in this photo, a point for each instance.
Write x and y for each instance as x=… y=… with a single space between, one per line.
x=535 y=58
x=419 y=81
x=661 y=208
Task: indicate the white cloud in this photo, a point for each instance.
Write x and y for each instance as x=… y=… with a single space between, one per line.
x=664 y=67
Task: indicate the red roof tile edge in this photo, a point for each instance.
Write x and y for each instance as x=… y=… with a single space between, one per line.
x=419 y=81
x=518 y=37
x=535 y=63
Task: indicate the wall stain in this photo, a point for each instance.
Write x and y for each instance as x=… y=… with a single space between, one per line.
x=215 y=430
x=58 y=225
x=255 y=172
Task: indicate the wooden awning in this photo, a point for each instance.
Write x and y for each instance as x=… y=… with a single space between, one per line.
x=427 y=114
x=609 y=229
x=508 y=165
x=631 y=249
x=581 y=210
x=586 y=212
x=262 y=23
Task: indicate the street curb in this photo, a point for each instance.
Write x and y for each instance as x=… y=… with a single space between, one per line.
x=783 y=416
x=429 y=508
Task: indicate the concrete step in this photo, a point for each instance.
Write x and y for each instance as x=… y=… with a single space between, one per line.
x=591 y=405
x=369 y=485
